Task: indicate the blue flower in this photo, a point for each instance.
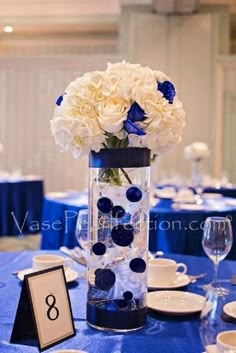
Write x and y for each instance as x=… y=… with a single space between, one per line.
x=167 y=89
x=135 y=114
x=59 y=100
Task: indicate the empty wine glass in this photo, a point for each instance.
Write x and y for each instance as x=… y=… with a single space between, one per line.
x=81 y=231
x=217 y=241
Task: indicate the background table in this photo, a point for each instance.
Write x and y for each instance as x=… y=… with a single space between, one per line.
x=180 y=231
x=161 y=334
x=171 y=230
x=20 y=206
x=227 y=192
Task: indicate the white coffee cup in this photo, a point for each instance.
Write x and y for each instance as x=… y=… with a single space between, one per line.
x=42 y=262
x=163 y=271
x=226 y=342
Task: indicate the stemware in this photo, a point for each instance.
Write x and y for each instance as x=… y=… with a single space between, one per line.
x=81 y=230
x=217 y=241
x=216 y=317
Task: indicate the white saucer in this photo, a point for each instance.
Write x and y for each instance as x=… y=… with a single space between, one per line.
x=175 y=302
x=180 y=281
x=71 y=275
x=230 y=309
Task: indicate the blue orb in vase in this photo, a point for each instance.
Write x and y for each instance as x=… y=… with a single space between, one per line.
x=105 y=279
x=117 y=212
x=99 y=248
x=128 y=295
x=104 y=204
x=137 y=265
x=122 y=234
x=134 y=194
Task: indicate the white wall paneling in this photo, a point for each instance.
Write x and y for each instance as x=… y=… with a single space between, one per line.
x=29 y=88
x=186 y=48
x=225 y=143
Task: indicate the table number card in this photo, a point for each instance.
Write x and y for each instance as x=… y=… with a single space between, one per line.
x=44 y=310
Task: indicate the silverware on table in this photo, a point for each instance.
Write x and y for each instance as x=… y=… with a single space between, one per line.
x=194 y=278
x=79 y=259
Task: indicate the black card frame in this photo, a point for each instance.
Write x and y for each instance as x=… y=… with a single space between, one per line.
x=14 y=337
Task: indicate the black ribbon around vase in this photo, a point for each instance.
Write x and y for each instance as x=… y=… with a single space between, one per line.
x=133 y=157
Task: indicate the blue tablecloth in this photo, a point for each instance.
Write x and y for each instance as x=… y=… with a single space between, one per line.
x=162 y=334
x=171 y=230
x=20 y=207
x=180 y=231
x=227 y=192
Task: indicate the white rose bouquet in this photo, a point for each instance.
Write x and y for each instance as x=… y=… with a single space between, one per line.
x=126 y=105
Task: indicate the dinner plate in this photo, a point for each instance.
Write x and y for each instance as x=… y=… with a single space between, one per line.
x=175 y=302
x=191 y=207
x=180 y=281
x=230 y=309
x=57 y=195
x=71 y=275
x=209 y=195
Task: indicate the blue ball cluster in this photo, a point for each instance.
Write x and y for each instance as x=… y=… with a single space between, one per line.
x=122 y=234
x=104 y=204
x=134 y=194
x=105 y=279
x=99 y=248
x=137 y=265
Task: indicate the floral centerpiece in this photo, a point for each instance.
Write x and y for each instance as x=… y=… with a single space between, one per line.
x=118 y=116
x=196 y=151
x=126 y=105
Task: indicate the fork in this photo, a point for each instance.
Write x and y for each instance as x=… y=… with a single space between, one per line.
x=194 y=278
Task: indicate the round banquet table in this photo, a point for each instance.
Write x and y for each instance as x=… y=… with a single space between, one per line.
x=225 y=191
x=170 y=229
x=161 y=334
x=180 y=231
x=20 y=206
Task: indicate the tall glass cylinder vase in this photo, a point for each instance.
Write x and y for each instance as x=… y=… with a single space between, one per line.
x=118 y=237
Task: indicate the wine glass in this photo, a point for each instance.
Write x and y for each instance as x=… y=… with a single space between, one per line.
x=81 y=230
x=217 y=241
x=217 y=315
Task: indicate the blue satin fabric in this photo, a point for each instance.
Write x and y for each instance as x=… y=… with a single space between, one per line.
x=161 y=334
x=20 y=207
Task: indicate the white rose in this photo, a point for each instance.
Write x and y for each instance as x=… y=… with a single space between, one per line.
x=112 y=113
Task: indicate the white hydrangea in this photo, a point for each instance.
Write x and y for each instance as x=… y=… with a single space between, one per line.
x=95 y=107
